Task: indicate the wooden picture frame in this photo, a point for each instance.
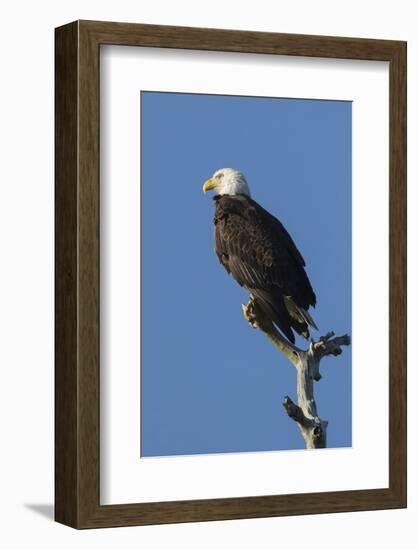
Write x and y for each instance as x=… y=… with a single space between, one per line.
x=77 y=382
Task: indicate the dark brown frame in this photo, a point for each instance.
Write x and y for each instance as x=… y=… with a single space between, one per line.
x=77 y=372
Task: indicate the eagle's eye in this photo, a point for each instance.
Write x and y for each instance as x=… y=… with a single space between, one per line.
x=219 y=176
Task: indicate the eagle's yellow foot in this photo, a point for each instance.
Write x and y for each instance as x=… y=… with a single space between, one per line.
x=255 y=317
x=248 y=314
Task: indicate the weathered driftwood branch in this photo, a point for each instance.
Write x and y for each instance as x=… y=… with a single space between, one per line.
x=307 y=363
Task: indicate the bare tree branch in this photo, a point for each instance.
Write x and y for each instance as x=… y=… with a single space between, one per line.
x=307 y=363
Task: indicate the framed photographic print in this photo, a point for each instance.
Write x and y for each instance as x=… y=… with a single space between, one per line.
x=230 y=274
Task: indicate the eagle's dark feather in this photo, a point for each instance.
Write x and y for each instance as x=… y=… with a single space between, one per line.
x=255 y=248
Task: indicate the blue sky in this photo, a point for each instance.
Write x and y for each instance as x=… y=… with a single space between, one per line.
x=210 y=383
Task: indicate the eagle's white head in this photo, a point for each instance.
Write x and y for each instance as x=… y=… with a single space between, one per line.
x=227 y=181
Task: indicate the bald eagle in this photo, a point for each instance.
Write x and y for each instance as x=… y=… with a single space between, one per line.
x=255 y=248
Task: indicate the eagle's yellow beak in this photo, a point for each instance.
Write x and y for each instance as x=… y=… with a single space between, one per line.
x=210 y=184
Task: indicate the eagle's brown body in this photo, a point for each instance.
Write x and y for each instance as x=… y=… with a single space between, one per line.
x=255 y=248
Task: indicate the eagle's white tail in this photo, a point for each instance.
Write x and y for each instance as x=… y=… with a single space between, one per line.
x=299 y=313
